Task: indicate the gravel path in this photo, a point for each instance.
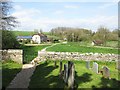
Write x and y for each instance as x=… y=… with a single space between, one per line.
x=22 y=79
x=49 y=46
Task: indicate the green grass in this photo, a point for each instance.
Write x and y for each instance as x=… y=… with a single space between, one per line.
x=23 y=33
x=47 y=76
x=9 y=71
x=30 y=52
x=76 y=47
x=27 y=33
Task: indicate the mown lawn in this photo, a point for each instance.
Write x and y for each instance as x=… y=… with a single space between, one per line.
x=47 y=76
x=76 y=47
x=30 y=52
x=9 y=71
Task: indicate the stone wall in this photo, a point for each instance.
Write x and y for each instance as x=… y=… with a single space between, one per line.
x=12 y=54
x=77 y=56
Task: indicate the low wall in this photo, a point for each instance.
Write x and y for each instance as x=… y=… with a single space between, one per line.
x=12 y=54
x=76 y=56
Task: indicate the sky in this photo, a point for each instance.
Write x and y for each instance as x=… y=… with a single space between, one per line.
x=47 y=15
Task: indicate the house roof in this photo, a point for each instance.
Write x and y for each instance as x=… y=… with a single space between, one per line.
x=24 y=37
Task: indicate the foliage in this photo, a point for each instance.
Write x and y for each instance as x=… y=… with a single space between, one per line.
x=9 y=71
x=80 y=34
x=9 y=40
x=76 y=47
x=47 y=76
x=7 y=21
x=72 y=34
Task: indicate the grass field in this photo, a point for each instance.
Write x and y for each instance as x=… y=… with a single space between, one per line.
x=27 y=33
x=47 y=76
x=30 y=52
x=9 y=71
x=77 y=47
x=23 y=33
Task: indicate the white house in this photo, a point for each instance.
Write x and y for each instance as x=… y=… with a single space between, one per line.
x=38 y=38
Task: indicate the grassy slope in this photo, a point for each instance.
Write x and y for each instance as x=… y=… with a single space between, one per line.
x=27 y=33
x=47 y=76
x=76 y=47
x=23 y=33
x=9 y=71
x=30 y=52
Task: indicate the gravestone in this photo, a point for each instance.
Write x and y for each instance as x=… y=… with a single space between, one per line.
x=88 y=64
x=71 y=75
x=118 y=64
x=65 y=73
x=64 y=77
x=60 y=67
x=55 y=64
x=106 y=72
x=95 y=67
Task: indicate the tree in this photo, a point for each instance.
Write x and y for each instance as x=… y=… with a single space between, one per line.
x=7 y=22
x=102 y=34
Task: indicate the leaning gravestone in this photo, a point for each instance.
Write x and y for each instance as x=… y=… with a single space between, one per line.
x=106 y=72
x=88 y=64
x=95 y=67
x=64 y=76
x=71 y=76
x=60 y=67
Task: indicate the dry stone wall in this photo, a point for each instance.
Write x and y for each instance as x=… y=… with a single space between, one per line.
x=12 y=54
x=77 y=56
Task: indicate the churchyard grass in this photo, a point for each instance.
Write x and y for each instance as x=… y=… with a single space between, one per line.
x=47 y=76
x=9 y=71
x=77 y=47
x=30 y=52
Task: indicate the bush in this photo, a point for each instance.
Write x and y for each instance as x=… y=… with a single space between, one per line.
x=9 y=40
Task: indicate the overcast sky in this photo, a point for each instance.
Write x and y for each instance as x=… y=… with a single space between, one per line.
x=48 y=15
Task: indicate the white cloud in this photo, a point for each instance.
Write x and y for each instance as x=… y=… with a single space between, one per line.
x=107 y=5
x=30 y=19
x=59 y=12
x=71 y=6
x=66 y=0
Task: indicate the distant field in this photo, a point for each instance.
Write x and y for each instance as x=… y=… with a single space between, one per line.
x=26 y=33
x=23 y=33
x=78 y=47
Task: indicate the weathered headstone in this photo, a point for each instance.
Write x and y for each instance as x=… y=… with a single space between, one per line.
x=64 y=77
x=106 y=72
x=60 y=67
x=65 y=73
x=88 y=64
x=55 y=63
x=95 y=67
x=71 y=76
x=118 y=64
